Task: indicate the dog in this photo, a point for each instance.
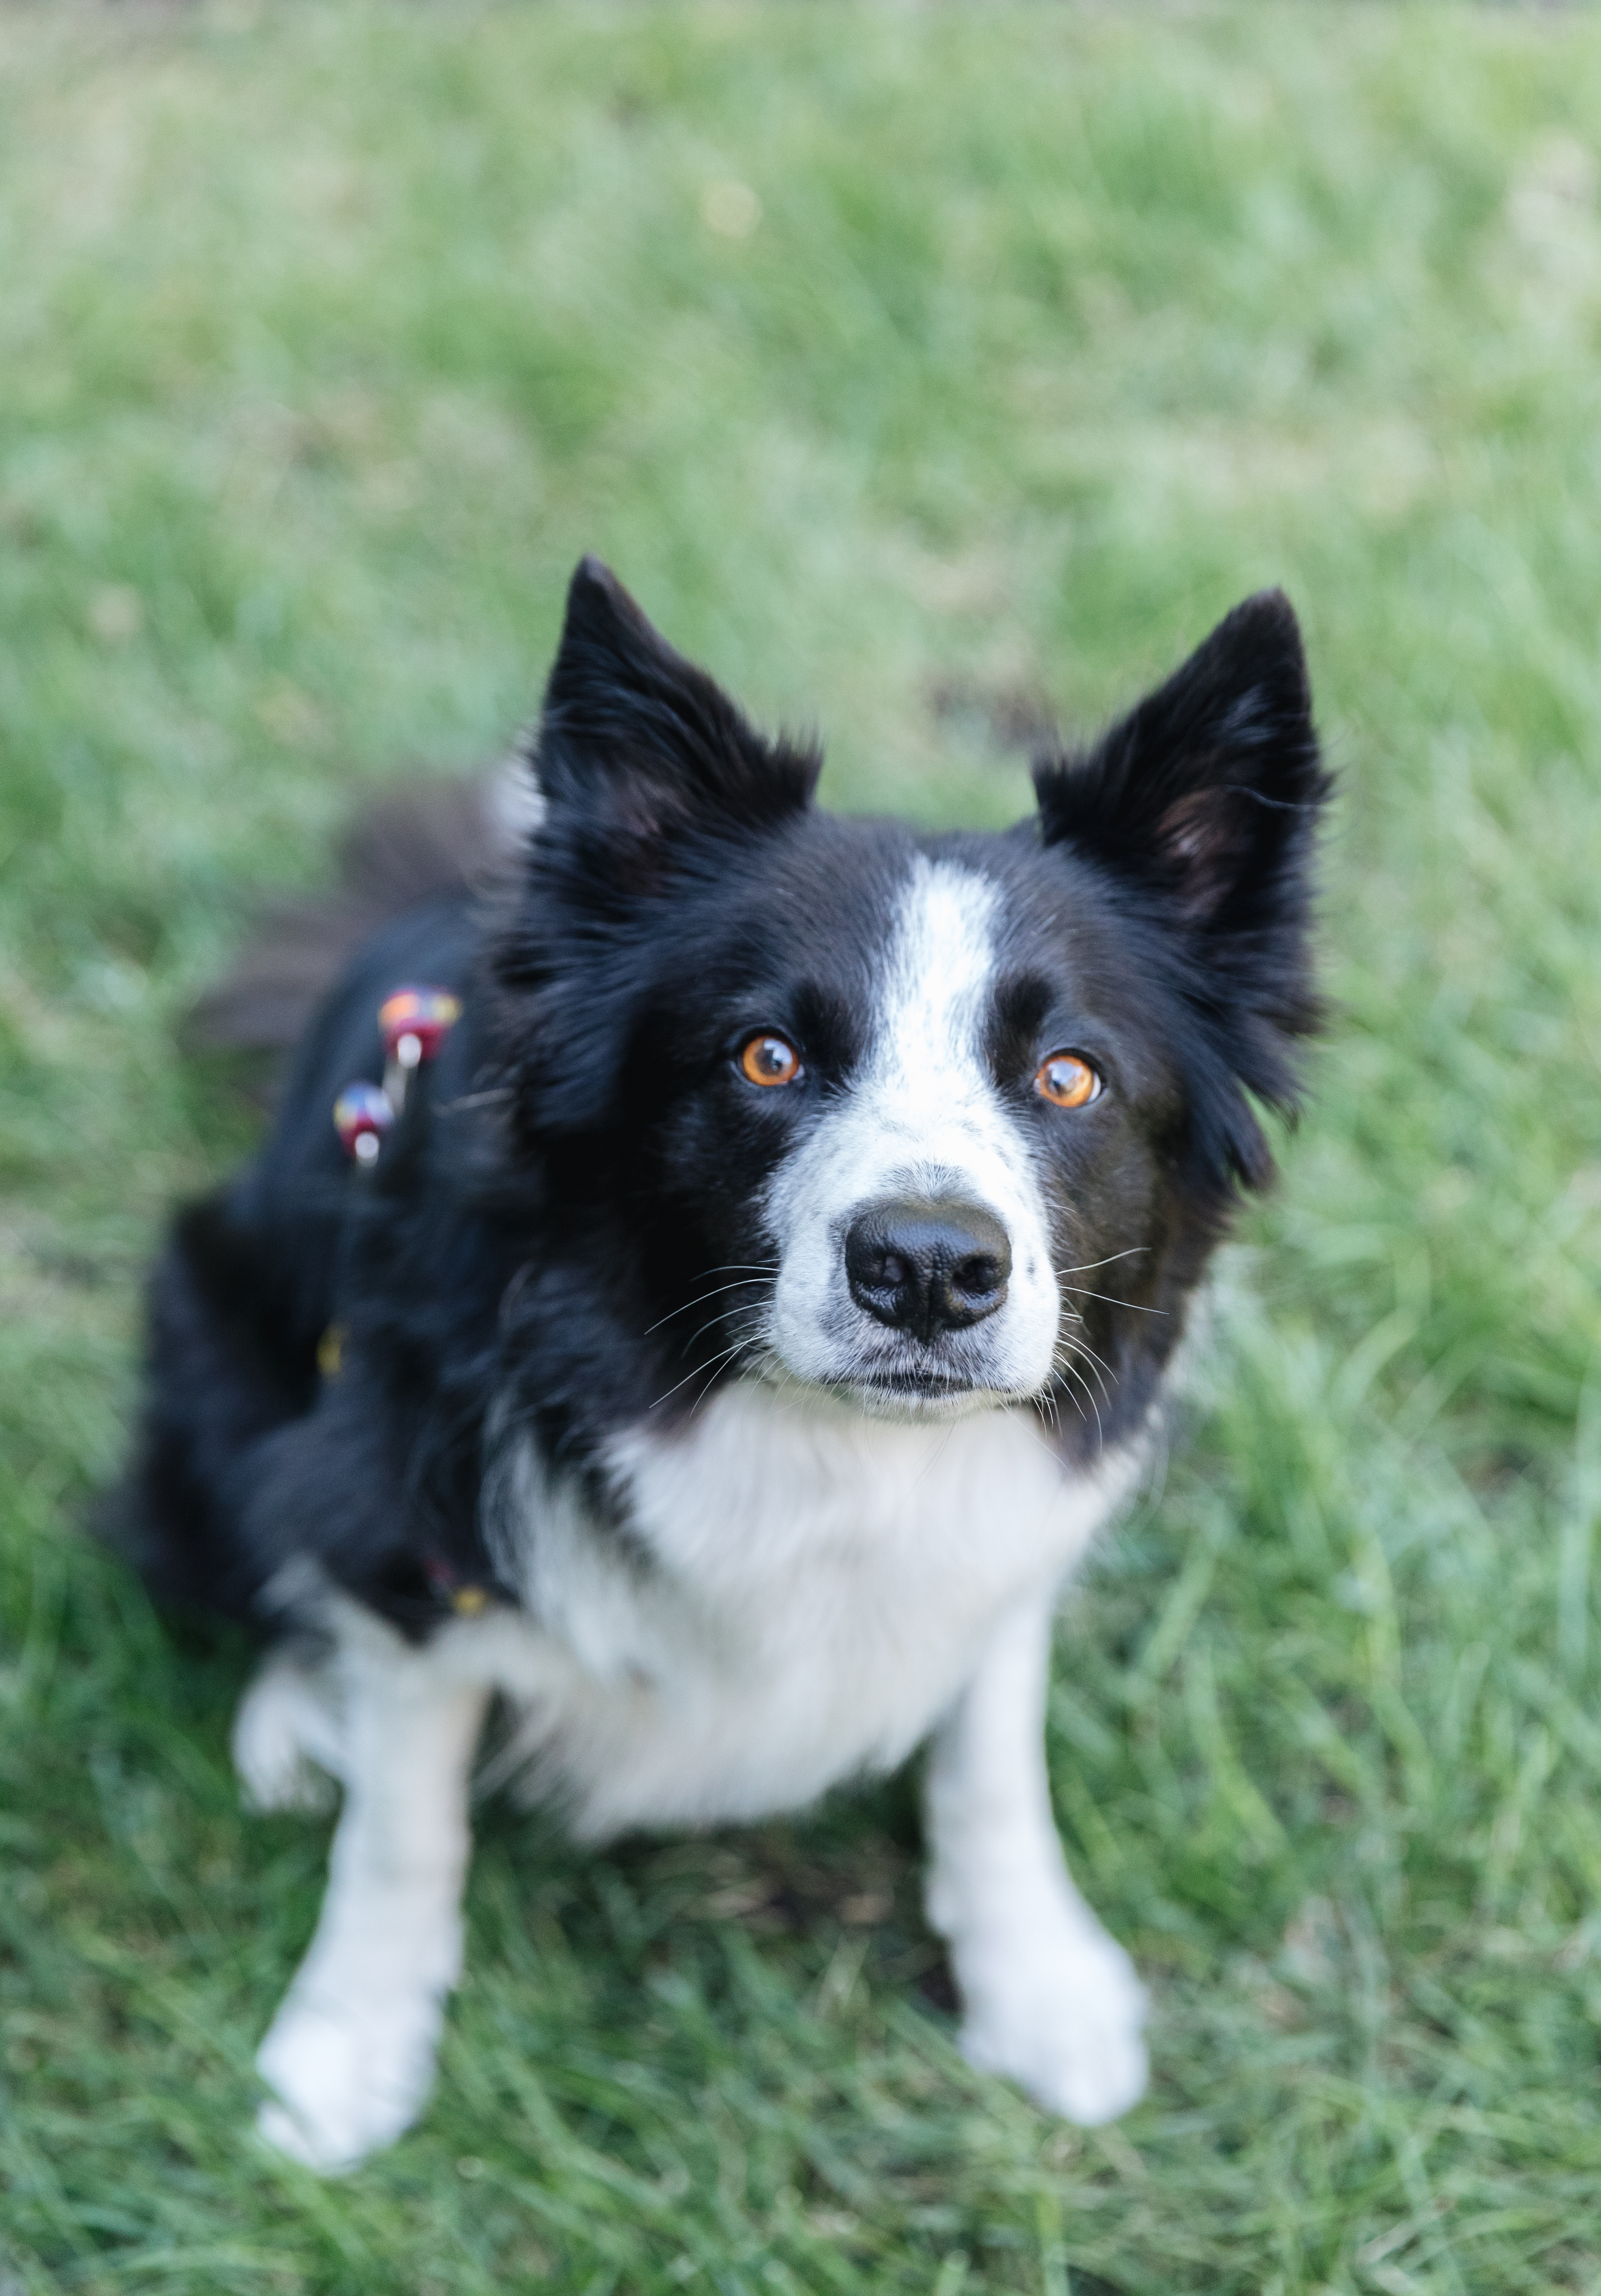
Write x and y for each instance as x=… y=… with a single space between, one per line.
x=765 y=1291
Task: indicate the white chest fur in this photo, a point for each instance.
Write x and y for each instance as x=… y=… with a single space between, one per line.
x=802 y=1592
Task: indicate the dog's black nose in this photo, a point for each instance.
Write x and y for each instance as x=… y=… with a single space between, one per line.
x=927 y=1268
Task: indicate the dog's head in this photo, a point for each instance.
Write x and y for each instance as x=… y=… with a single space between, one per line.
x=931 y=1122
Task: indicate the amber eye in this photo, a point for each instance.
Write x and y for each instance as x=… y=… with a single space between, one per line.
x=1066 y=1081
x=770 y=1060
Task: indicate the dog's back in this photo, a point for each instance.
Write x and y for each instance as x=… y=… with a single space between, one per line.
x=242 y=1301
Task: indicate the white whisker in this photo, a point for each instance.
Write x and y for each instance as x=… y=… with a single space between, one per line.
x=708 y=1325
x=1070 y=1360
x=1077 y=1348
x=741 y=1284
x=1083 y=1292
x=737 y=1349
x=1068 y=1371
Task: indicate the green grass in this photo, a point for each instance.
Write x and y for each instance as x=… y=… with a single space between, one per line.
x=329 y=337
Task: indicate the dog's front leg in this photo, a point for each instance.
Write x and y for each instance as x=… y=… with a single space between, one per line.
x=1047 y=1998
x=350 y=2053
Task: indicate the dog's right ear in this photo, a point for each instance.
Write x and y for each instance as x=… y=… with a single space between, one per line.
x=641 y=758
x=642 y=745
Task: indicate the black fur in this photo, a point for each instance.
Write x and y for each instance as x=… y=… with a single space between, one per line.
x=531 y=1247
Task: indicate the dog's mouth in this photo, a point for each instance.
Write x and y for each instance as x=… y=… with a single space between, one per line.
x=915 y=1391
x=912 y=1382
x=908 y=1390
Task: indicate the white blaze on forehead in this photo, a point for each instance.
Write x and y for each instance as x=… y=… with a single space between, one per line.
x=922 y=1118
x=941 y=969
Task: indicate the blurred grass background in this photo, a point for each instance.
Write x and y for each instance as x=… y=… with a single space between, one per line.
x=927 y=373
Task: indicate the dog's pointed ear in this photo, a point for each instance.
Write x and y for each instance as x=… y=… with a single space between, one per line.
x=633 y=733
x=1206 y=799
x=1209 y=790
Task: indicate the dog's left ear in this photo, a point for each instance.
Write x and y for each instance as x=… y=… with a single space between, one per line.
x=1206 y=797
x=643 y=744
x=1209 y=790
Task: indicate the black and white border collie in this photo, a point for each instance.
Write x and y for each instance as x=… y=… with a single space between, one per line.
x=764 y=1297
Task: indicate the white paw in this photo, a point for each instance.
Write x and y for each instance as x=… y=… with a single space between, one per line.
x=1063 y=2015
x=348 y=2077
x=287 y=1736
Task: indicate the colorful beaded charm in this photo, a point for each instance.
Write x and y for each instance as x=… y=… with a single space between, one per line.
x=466 y=1599
x=416 y=1022
x=362 y=1115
